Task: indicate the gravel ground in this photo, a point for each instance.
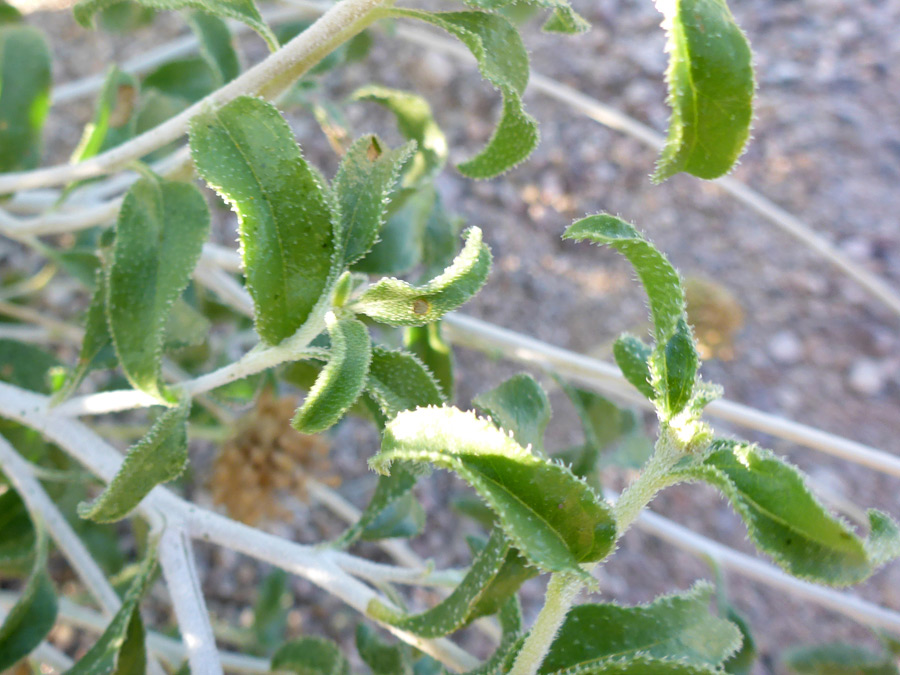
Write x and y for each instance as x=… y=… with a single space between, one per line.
x=814 y=347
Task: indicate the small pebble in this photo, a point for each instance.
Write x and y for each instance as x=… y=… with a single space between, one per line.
x=867 y=377
x=785 y=347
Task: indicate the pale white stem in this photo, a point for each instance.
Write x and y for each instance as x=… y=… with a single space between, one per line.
x=23 y=313
x=33 y=334
x=176 y=558
x=338 y=23
x=216 y=257
x=19 y=473
x=562 y=591
x=223 y=285
x=605 y=377
x=57 y=223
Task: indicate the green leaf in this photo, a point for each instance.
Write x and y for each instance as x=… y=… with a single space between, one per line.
x=398 y=303
x=711 y=88
x=786 y=521
x=124 y=17
x=439 y=239
x=240 y=10
x=416 y=123
x=9 y=14
x=451 y=614
x=159 y=457
x=341 y=381
x=563 y=20
x=502 y=588
x=364 y=182
x=840 y=659
x=660 y=279
x=24 y=95
x=247 y=153
x=311 y=655
x=519 y=405
x=678 y=627
x=674 y=369
x=187 y=80
x=382 y=658
x=34 y=613
x=404 y=517
x=186 y=326
x=503 y=61
x=398 y=381
x=640 y=665
x=270 y=612
x=741 y=662
x=401 y=239
x=510 y=618
x=159 y=234
x=216 y=45
x=132 y=658
x=118 y=647
x=428 y=344
x=115 y=116
x=551 y=516
x=388 y=491
x=633 y=356
x=26 y=366
x=17 y=545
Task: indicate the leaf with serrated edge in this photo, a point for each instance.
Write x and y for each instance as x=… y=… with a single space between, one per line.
x=639 y=665
x=673 y=369
x=24 y=95
x=563 y=20
x=398 y=303
x=239 y=10
x=115 y=116
x=632 y=357
x=785 y=520
x=159 y=457
x=310 y=655
x=382 y=658
x=503 y=61
x=660 y=279
x=247 y=153
x=514 y=572
x=342 y=379
x=416 y=123
x=839 y=659
x=399 y=381
x=451 y=614
x=216 y=46
x=551 y=516
x=159 y=235
x=34 y=613
x=678 y=627
x=107 y=654
x=363 y=184
x=428 y=344
x=519 y=405
x=711 y=88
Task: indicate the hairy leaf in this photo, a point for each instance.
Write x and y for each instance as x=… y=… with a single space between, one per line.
x=840 y=659
x=741 y=662
x=519 y=405
x=240 y=10
x=341 y=381
x=159 y=457
x=271 y=609
x=159 y=234
x=416 y=123
x=451 y=614
x=660 y=279
x=403 y=517
x=787 y=522
x=115 y=116
x=401 y=239
x=364 y=182
x=428 y=344
x=185 y=80
x=17 y=546
x=633 y=356
x=678 y=627
x=216 y=46
x=34 y=613
x=382 y=658
x=563 y=20
x=25 y=365
x=639 y=665
x=398 y=303
x=552 y=517
x=388 y=491
x=674 y=369
x=503 y=61
x=24 y=95
x=711 y=87
x=310 y=655
x=120 y=643
x=246 y=151
x=398 y=381
x=514 y=572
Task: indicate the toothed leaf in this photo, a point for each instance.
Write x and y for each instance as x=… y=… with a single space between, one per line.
x=342 y=379
x=159 y=235
x=678 y=627
x=711 y=89
x=398 y=303
x=310 y=655
x=660 y=279
x=503 y=62
x=159 y=457
x=247 y=153
x=633 y=356
x=786 y=521
x=382 y=658
x=24 y=95
x=519 y=405
x=398 y=381
x=554 y=519
x=452 y=613
x=364 y=182
x=674 y=367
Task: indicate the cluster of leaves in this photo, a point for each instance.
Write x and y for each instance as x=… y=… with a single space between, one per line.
x=321 y=261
